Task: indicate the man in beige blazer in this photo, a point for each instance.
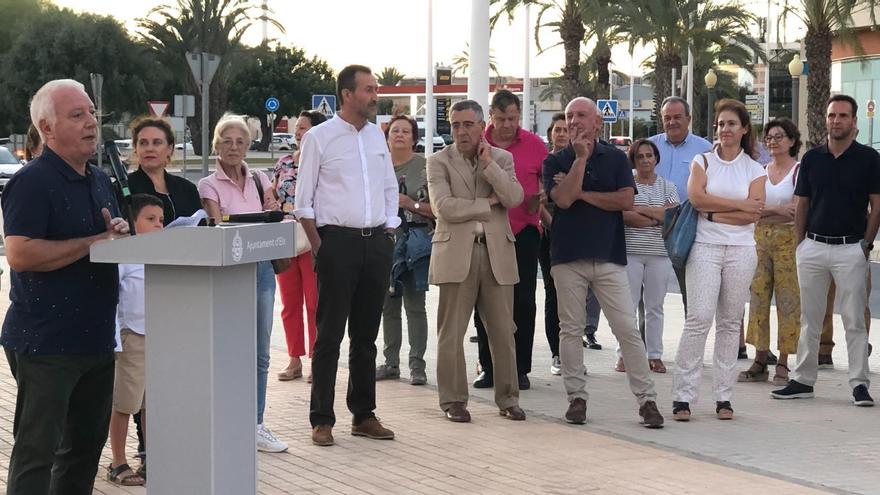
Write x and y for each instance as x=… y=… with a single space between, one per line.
x=471 y=185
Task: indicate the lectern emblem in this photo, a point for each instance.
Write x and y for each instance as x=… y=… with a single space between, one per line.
x=237 y=248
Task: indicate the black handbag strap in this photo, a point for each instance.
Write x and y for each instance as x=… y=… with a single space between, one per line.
x=259 y=188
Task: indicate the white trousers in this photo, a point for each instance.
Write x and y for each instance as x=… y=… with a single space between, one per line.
x=718 y=281
x=651 y=273
x=817 y=265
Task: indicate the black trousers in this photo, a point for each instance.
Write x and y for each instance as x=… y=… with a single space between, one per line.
x=528 y=242
x=62 y=415
x=353 y=274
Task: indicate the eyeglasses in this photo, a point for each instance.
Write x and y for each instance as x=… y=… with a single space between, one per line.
x=774 y=138
x=228 y=143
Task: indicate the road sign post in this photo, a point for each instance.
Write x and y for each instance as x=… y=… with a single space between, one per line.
x=203 y=67
x=97 y=88
x=608 y=111
x=272 y=106
x=270 y=119
x=184 y=106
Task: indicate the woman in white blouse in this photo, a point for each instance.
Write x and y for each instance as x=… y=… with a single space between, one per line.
x=727 y=187
x=776 y=274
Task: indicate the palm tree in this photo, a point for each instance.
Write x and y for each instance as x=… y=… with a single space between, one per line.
x=661 y=25
x=570 y=28
x=389 y=76
x=824 y=19
x=209 y=26
x=461 y=62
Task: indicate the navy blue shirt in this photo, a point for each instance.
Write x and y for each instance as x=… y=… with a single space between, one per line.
x=583 y=231
x=838 y=189
x=71 y=310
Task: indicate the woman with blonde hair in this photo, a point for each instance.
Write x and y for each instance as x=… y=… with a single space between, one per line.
x=235 y=188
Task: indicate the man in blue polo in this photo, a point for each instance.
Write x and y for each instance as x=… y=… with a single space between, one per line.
x=678 y=147
x=58 y=334
x=588 y=250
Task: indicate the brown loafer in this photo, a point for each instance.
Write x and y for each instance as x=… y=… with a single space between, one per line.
x=513 y=412
x=657 y=365
x=372 y=428
x=458 y=413
x=290 y=374
x=577 y=412
x=322 y=435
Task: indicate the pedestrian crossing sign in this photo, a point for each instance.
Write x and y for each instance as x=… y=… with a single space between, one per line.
x=325 y=104
x=608 y=110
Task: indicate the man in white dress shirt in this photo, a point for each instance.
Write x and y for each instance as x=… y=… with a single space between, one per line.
x=346 y=200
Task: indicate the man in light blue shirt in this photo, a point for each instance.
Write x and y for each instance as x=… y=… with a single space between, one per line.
x=677 y=145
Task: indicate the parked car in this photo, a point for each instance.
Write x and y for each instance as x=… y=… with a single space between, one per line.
x=439 y=143
x=9 y=165
x=125 y=148
x=287 y=141
x=621 y=142
x=189 y=147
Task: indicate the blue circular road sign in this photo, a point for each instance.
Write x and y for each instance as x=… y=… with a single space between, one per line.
x=272 y=104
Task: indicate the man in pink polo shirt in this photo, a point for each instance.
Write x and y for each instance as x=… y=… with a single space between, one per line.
x=528 y=152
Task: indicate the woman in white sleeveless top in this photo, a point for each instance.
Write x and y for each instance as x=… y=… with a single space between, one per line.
x=777 y=270
x=727 y=188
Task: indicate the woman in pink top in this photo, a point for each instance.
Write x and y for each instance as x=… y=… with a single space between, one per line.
x=231 y=189
x=297 y=284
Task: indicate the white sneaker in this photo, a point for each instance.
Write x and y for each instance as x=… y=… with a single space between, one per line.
x=556 y=366
x=266 y=441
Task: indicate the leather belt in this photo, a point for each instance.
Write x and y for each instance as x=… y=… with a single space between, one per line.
x=840 y=239
x=364 y=232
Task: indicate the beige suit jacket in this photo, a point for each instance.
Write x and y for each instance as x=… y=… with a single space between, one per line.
x=459 y=190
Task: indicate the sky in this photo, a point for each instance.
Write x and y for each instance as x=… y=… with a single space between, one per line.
x=382 y=33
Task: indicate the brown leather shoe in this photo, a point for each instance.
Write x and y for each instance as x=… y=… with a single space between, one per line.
x=372 y=428
x=514 y=413
x=322 y=435
x=458 y=413
x=651 y=417
x=577 y=412
x=290 y=374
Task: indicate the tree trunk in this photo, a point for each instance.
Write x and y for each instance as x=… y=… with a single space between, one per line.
x=818 y=51
x=663 y=65
x=572 y=32
x=603 y=76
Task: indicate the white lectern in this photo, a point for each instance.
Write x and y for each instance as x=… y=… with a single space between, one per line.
x=200 y=289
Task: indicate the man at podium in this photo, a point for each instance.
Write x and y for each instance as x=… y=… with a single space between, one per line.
x=59 y=330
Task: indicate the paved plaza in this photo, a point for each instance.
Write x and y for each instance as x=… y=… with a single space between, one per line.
x=783 y=447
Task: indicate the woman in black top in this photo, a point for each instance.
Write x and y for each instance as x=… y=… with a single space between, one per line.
x=153 y=142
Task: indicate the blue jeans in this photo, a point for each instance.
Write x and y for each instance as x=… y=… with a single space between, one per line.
x=265 y=316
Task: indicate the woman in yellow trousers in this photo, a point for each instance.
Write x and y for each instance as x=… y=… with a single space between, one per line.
x=776 y=273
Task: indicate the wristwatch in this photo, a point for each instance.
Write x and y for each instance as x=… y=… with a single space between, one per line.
x=866 y=246
x=709 y=216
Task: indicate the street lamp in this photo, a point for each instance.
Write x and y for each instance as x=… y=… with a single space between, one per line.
x=795 y=68
x=711 y=80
